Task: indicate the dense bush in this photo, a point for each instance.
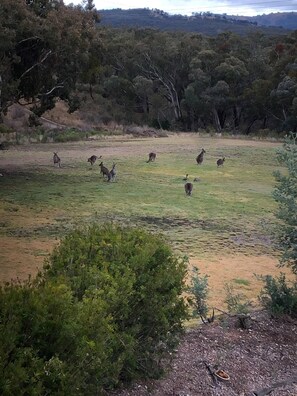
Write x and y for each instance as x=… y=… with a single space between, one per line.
x=106 y=308
x=69 y=135
x=285 y=195
x=278 y=297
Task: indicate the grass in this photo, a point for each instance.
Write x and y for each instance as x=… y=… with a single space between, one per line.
x=231 y=210
x=242 y=282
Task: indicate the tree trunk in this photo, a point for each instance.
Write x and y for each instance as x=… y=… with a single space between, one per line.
x=217 y=120
x=236 y=116
x=248 y=129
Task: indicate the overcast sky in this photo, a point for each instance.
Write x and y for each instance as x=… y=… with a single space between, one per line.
x=186 y=7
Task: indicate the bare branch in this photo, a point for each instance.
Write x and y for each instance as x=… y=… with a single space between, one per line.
x=36 y=64
x=29 y=38
x=61 y=85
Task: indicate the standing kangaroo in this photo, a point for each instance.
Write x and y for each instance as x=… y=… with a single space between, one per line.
x=57 y=160
x=152 y=157
x=113 y=172
x=188 y=188
x=93 y=159
x=105 y=171
x=199 y=158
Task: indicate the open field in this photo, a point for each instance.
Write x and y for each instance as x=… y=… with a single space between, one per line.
x=225 y=227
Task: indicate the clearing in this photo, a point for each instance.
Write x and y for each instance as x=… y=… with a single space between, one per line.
x=225 y=228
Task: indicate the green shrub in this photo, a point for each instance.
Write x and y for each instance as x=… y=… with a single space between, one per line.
x=285 y=194
x=236 y=302
x=5 y=129
x=106 y=308
x=69 y=135
x=199 y=293
x=139 y=279
x=278 y=297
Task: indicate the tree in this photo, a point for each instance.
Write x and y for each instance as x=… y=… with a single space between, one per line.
x=279 y=296
x=218 y=99
x=45 y=52
x=286 y=196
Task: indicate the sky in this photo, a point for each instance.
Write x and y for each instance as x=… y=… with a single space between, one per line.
x=187 y=7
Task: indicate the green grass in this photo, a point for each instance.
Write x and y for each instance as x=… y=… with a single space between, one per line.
x=225 y=212
x=242 y=282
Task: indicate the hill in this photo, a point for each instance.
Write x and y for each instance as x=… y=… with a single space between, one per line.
x=205 y=23
x=287 y=20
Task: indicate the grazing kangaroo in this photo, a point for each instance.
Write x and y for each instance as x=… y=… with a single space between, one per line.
x=93 y=159
x=113 y=172
x=152 y=157
x=57 y=160
x=199 y=158
x=105 y=171
x=186 y=178
x=188 y=188
x=220 y=162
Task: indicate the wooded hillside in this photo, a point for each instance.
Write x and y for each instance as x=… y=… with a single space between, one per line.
x=169 y=80
x=199 y=22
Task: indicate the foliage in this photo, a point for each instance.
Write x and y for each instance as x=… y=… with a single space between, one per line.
x=285 y=195
x=278 y=297
x=170 y=80
x=69 y=135
x=107 y=308
x=5 y=129
x=44 y=51
x=236 y=302
x=199 y=290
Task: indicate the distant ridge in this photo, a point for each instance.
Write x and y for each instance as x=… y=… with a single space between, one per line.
x=205 y=23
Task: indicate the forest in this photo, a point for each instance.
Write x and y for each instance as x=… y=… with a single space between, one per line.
x=207 y=23
x=169 y=80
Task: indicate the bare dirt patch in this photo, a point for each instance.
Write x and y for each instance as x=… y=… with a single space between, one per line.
x=254 y=359
x=21 y=257
x=233 y=269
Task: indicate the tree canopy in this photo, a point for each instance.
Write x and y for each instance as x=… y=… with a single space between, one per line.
x=177 y=80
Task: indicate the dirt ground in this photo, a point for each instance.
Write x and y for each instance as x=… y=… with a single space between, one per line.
x=254 y=359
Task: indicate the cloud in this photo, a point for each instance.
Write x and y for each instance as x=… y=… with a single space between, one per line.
x=243 y=7
x=260 y=5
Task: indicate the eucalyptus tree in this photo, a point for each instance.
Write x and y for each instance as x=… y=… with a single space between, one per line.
x=195 y=106
x=165 y=59
x=233 y=71
x=45 y=52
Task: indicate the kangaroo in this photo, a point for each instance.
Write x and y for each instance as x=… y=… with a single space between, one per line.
x=188 y=188
x=186 y=178
x=57 y=160
x=199 y=158
x=220 y=162
x=113 y=172
x=93 y=159
x=105 y=171
x=152 y=157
